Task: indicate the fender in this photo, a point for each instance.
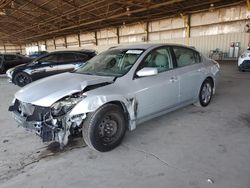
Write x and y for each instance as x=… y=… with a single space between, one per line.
x=92 y=103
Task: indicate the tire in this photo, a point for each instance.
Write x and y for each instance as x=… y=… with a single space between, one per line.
x=205 y=94
x=21 y=79
x=104 y=129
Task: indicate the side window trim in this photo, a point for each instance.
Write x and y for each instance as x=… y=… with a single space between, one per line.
x=193 y=51
x=171 y=59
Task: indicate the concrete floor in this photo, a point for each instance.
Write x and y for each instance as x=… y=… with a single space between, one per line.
x=191 y=147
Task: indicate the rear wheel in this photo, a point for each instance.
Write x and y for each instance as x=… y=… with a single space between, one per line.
x=21 y=79
x=206 y=93
x=104 y=129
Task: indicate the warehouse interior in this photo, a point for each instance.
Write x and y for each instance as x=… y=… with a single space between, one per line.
x=191 y=147
x=57 y=25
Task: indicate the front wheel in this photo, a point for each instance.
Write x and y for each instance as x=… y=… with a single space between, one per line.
x=104 y=129
x=21 y=79
x=206 y=93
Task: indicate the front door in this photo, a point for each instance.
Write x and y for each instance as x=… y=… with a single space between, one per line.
x=159 y=92
x=45 y=66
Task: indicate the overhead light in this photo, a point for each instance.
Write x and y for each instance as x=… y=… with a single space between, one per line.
x=12 y=5
x=211 y=8
x=2 y=12
x=128 y=11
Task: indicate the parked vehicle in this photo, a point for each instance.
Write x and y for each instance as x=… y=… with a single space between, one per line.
x=37 y=54
x=244 y=61
x=47 y=65
x=115 y=91
x=8 y=61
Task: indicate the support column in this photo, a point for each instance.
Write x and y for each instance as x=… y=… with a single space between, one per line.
x=186 y=20
x=65 y=42
x=118 y=35
x=54 y=40
x=45 y=43
x=20 y=47
x=79 y=39
x=147 y=31
x=96 y=40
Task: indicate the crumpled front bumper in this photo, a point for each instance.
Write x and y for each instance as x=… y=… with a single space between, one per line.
x=39 y=126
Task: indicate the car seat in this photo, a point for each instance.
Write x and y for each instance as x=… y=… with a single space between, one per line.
x=161 y=62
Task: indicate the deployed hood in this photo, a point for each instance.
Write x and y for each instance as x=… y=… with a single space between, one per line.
x=47 y=91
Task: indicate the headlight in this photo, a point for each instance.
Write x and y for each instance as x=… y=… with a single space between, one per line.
x=243 y=55
x=65 y=105
x=9 y=73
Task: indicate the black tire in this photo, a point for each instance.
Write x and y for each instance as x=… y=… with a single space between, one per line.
x=206 y=93
x=104 y=129
x=21 y=79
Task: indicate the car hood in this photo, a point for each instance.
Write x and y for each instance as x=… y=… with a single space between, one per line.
x=47 y=91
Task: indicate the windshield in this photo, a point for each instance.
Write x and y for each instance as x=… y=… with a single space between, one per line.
x=111 y=63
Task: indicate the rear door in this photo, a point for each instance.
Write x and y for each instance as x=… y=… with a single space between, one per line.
x=189 y=71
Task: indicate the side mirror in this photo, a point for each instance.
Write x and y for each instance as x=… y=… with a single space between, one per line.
x=147 y=71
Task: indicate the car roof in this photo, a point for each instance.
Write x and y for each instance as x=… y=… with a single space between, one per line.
x=146 y=46
x=74 y=51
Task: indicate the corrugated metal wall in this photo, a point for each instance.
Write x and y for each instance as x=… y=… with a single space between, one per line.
x=223 y=41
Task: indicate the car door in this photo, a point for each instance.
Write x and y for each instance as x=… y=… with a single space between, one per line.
x=68 y=61
x=189 y=71
x=44 y=66
x=159 y=92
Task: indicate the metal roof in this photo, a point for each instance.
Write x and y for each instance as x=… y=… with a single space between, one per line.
x=23 y=21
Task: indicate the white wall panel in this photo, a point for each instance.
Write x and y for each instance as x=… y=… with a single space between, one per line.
x=207 y=43
x=220 y=15
x=132 y=29
x=106 y=33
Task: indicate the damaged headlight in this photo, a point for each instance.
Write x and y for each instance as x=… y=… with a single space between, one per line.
x=65 y=105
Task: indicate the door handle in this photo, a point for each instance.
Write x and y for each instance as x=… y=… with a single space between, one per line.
x=199 y=70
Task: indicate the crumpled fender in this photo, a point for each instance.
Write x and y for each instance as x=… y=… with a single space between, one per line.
x=92 y=103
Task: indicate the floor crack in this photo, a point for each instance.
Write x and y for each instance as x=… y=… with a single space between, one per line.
x=156 y=157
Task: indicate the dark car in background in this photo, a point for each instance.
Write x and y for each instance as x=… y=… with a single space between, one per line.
x=47 y=65
x=37 y=54
x=8 y=61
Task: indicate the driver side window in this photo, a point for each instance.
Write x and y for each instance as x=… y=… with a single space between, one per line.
x=160 y=59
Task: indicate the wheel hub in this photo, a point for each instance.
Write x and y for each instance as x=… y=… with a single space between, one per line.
x=107 y=128
x=206 y=92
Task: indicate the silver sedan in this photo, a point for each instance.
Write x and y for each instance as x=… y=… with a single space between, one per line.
x=114 y=92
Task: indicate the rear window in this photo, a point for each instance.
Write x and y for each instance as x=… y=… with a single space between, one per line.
x=9 y=57
x=185 y=56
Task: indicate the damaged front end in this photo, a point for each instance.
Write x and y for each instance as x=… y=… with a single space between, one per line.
x=50 y=123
